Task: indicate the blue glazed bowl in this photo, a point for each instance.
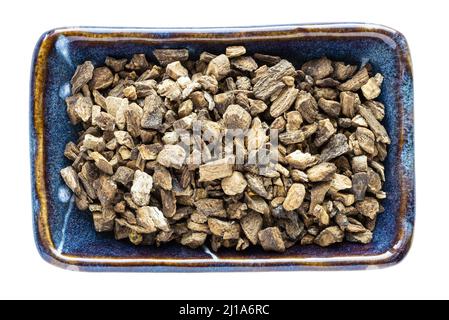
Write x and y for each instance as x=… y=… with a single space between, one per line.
x=65 y=236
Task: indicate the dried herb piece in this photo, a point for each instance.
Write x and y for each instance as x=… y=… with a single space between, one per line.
x=172 y=156
x=104 y=220
x=168 y=200
x=325 y=131
x=224 y=229
x=156 y=217
x=235 y=51
x=337 y=146
x=294 y=121
x=176 y=70
x=166 y=56
x=271 y=81
x=329 y=236
x=71 y=179
x=318 y=194
x=365 y=138
x=376 y=108
x=356 y=82
x=322 y=172
x=295 y=197
x=216 y=169
x=341 y=182
x=82 y=109
x=106 y=190
x=247 y=64
x=169 y=89
x=349 y=103
x=371 y=89
x=141 y=188
x=343 y=71
x=144 y=219
x=257 y=204
x=375 y=126
x=211 y=207
x=368 y=207
x=234 y=184
x=374 y=182
x=359 y=185
x=271 y=239
x=251 y=225
x=162 y=178
x=102 y=163
x=123 y=175
x=298 y=136
x=364 y=237
x=283 y=102
x=102 y=78
x=256 y=184
x=82 y=76
x=138 y=62
x=236 y=117
x=219 y=67
x=193 y=239
x=318 y=69
x=267 y=59
x=330 y=107
x=308 y=107
x=116 y=65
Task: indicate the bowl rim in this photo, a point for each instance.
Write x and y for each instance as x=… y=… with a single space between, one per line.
x=42 y=233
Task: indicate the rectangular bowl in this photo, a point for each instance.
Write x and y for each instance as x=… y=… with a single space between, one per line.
x=66 y=237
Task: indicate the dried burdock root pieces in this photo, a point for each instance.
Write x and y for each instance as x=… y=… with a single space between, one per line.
x=233 y=150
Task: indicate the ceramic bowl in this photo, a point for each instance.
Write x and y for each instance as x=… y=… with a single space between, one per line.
x=65 y=236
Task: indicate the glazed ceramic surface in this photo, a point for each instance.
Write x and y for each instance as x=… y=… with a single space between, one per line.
x=65 y=236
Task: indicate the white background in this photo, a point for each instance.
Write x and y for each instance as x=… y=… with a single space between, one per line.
x=423 y=274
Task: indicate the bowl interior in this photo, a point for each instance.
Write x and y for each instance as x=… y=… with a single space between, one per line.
x=72 y=231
